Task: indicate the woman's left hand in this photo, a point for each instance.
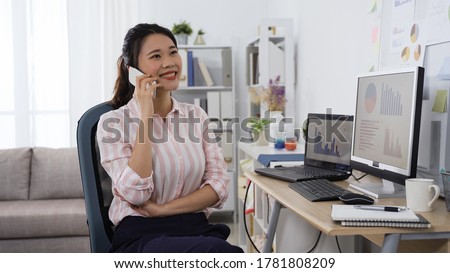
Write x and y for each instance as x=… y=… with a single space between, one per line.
x=194 y=202
x=149 y=209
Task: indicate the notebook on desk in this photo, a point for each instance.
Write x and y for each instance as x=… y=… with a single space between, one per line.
x=353 y=217
x=327 y=151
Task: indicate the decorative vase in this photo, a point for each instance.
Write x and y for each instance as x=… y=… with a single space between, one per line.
x=260 y=138
x=199 y=40
x=278 y=115
x=182 y=38
x=275 y=124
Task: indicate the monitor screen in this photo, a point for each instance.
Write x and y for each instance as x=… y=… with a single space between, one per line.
x=387 y=123
x=329 y=141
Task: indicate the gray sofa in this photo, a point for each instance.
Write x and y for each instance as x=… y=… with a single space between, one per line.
x=41 y=201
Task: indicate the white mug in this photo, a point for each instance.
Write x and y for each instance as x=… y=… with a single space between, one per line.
x=419 y=194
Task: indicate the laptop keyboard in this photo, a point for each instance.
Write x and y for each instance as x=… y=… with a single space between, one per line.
x=318 y=190
x=309 y=171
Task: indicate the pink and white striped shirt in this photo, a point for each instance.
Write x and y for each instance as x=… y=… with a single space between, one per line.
x=184 y=159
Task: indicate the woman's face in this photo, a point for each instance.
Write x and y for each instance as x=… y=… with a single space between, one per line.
x=159 y=58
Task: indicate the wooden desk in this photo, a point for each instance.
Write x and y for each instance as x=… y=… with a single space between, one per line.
x=318 y=214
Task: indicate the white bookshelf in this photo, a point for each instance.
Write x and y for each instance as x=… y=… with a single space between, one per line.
x=271 y=54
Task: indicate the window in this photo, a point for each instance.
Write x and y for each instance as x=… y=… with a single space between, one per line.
x=34 y=76
x=7 y=117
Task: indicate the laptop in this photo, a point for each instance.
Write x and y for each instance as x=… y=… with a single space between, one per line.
x=327 y=151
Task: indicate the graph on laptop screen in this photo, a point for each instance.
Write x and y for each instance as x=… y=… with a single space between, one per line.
x=387 y=123
x=329 y=141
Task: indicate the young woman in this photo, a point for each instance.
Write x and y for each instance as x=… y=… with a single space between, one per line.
x=166 y=171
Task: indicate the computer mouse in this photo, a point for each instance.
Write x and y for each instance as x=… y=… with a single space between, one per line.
x=356 y=198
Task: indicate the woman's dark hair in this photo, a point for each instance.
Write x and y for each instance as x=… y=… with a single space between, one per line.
x=123 y=89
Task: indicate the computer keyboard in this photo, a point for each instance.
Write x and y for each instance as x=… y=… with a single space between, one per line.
x=318 y=190
x=309 y=171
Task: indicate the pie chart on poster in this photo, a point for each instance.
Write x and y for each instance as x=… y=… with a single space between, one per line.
x=417 y=52
x=405 y=54
x=370 y=100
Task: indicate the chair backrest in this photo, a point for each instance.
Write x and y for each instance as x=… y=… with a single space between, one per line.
x=96 y=182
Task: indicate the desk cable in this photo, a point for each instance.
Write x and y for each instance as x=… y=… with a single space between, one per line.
x=243 y=216
x=357 y=179
x=318 y=236
x=315 y=244
x=337 y=244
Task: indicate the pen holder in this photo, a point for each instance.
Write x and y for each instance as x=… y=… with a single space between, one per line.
x=446 y=188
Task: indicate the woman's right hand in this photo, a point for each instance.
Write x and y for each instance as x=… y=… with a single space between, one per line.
x=145 y=87
x=141 y=156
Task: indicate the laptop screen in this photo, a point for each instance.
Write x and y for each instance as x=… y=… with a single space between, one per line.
x=329 y=141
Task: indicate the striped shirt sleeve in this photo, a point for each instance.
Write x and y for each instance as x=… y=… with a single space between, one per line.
x=115 y=150
x=216 y=168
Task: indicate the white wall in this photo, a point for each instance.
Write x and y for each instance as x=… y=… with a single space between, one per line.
x=331 y=47
x=330 y=44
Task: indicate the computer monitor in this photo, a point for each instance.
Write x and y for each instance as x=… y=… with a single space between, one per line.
x=386 y=128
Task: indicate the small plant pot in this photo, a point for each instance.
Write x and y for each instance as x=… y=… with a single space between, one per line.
x=199 y=40
x=182 y=39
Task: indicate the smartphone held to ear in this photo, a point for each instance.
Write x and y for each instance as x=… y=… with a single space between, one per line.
x=132 y=74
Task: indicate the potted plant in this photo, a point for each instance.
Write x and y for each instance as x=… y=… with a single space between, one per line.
x=199 y=40
x=258 y=126
x=181 y=31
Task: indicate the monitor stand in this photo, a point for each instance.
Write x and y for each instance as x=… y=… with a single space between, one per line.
x=386 y=189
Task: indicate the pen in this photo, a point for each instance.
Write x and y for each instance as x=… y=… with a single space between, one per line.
x=382 y=208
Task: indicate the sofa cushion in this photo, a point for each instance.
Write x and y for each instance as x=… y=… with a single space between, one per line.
x=55 y=174
x=15 y=173
x=72 y=244
x=42 y=218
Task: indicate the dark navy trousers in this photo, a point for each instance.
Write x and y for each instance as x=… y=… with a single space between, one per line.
x=174 y=234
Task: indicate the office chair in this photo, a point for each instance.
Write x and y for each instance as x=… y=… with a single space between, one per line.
x=95 y=180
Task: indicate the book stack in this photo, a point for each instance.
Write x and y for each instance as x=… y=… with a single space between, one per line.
x=353 y=216
x=208 y=73
x=195 y=72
